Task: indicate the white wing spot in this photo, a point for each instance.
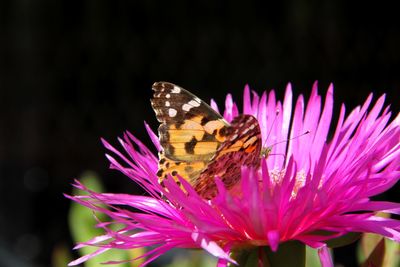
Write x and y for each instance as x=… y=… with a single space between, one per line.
x=167 y=95
x=194 y=103
x=233 y=137
x=172 y=112
x=167 y=104
x=176 y=90
x=197 y=99
x=252 y=126
x=186 y=107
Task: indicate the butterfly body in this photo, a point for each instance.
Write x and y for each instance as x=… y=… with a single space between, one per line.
x=198 y=144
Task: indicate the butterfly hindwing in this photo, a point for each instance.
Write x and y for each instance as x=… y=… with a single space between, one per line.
x=241 y=148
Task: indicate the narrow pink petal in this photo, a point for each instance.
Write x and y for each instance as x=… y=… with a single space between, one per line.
x=254 y=104
x=316 y=241
x=246 y=100
x=273 y=239
x=325 y=257
x=395 y=123
x=153 y=137
x=294 y=146
x=93 y=241
x=357 y=113
x=235 y=110
x=310 y=123
x=211 y=246
x=222 y=192
x=262 y=116
x=286 y=116
x=332 y=143
x=323 y=125
x=372 y=224
x=382 y=206
x=87 y=257
x=310 y=242
x=222 y=263
x=228 y=113
x=214 y=105
x=373 y=114
x=251 y=192
x=272 y=112
x=279 y=146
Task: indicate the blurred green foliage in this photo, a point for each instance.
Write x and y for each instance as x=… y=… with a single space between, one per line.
x=374 y=250
x=312 y=258
x=191 y=258
x=82 y=224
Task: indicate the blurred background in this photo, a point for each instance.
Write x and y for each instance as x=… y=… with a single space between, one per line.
x=74 y=71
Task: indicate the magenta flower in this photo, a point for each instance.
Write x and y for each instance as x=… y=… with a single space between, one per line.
x=309 y=189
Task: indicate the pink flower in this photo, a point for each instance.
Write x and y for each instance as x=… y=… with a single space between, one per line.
x=306 y=185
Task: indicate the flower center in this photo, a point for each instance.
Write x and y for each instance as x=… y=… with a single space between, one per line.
x=277 y=176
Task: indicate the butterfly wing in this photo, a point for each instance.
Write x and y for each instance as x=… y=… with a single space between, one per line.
x=190 y=132
x=242 y=147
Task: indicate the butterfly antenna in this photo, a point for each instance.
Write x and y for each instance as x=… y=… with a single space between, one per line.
x=266 y=151
x=290 y=139
x=270 y=130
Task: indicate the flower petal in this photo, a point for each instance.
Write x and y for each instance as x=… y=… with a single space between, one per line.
x=325 y=257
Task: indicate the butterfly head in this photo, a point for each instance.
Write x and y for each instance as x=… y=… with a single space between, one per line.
x=265 y=151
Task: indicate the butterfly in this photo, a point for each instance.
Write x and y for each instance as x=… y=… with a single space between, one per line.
x=198 y=144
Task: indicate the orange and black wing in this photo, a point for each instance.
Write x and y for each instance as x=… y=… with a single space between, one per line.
x=190 y=131
x=242 y=147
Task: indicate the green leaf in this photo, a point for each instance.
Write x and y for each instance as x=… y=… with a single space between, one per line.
x=376 y=256
x=82 y=225
x=81 y=220
x=312 y=258
x=374 y=250
x=188 y=258
x=392 y=255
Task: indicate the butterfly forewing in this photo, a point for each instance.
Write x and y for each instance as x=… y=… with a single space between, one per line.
x=190 y=131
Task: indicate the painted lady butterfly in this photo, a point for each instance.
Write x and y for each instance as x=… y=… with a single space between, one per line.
x=198 y=144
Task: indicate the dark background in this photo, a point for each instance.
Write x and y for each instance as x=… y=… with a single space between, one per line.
x=74 y=71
